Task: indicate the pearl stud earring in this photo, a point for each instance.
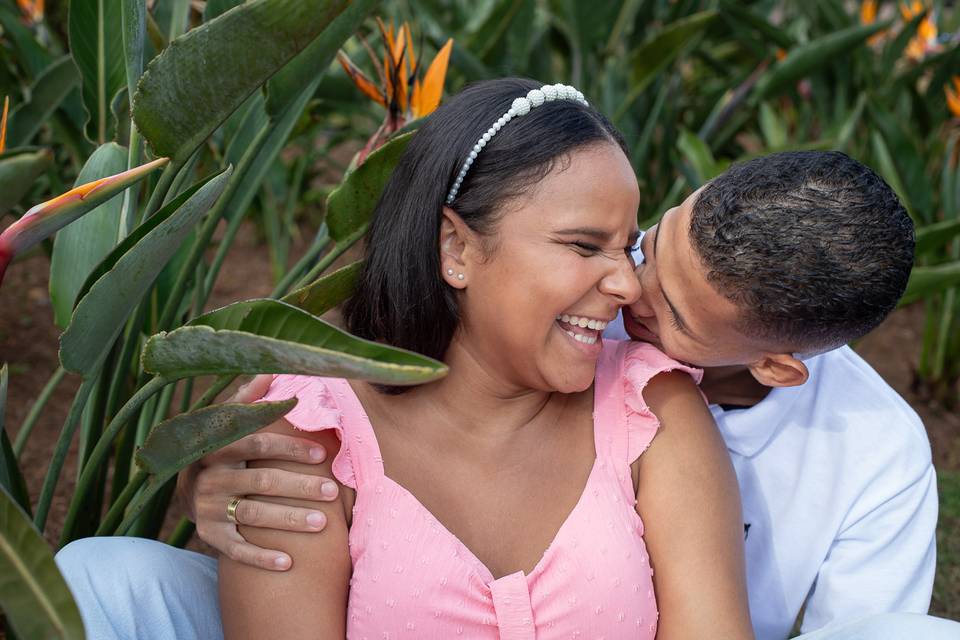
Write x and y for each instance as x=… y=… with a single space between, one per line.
x=449 y=272
x=459 y=276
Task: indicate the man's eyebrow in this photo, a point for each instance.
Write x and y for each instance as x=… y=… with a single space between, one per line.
x=673 y=309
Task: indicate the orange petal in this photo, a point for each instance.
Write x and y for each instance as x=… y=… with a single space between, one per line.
x=868 y=11
x=363 y=83
x=953 y=100
x=411 y=59
x=399 y=55
x=956 y=83
x=3 y=124
x=432 y=89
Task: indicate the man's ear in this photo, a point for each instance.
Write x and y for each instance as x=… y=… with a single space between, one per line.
x=779 y=370
x=454 y=248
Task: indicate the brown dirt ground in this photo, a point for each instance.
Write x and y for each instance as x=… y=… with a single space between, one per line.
x=28 y=343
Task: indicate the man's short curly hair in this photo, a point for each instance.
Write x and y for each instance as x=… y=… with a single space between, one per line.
x=813 y=247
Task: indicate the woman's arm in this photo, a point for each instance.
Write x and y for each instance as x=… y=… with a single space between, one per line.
x=309 y=600
x=690 y=505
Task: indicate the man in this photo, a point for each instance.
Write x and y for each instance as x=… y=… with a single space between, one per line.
x=760 y=277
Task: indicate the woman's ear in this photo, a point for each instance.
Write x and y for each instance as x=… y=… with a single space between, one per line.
x=454 y=248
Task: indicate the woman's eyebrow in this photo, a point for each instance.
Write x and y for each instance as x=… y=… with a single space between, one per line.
x=600 y=234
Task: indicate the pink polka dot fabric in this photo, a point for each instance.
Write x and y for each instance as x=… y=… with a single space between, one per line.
x=412 y=578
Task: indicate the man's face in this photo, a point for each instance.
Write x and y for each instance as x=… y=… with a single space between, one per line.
x=679 y=311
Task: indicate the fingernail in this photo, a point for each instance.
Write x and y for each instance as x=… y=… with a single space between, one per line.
x=281 y=562
x=316 y=520
x=328 y=489
x=316 y=454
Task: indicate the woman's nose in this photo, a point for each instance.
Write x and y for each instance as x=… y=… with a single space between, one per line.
x=622 y=283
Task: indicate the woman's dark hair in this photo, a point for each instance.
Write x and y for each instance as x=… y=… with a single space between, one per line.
x=401 y=298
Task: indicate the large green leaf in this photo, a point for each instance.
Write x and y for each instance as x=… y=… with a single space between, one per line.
x=733 y=11
x=888 y=169
x=78 y=247
x=658 y=51
x=936 y=236
x=928 y=281
x=10 y=477
x=134 y=17
x=49 y=90
x=326 y=292
x=19 y=169
x=136 y=235
x=269 y=336
x=184 y=439
x=351 y=204
x=203 y=76
x=33 y=594
x=813 y=56
x=102 y=312
x=30 y=54
x=304 y=72
x=96 y=44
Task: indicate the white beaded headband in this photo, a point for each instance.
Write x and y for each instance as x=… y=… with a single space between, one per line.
x=520 y=107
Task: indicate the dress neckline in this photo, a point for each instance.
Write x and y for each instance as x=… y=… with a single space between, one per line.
x=358 y=410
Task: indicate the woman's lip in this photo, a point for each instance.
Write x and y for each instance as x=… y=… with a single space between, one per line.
x=589 y=349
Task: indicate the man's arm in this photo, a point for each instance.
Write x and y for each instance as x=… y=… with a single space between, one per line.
x=884 y=558
x=206 y=487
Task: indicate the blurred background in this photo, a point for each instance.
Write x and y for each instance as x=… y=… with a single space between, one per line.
x=693 y=84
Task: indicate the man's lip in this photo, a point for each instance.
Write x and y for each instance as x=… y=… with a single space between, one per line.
x=632 y=322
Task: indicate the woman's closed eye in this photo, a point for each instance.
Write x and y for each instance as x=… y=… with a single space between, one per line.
x=585 y=248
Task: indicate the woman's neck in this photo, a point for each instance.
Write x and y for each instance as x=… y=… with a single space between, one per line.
x=472 y=394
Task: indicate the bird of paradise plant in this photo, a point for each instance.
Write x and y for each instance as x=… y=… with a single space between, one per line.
x=32 y=9
x=47 y=217
x=925 y=41
x=3 y=124
x=953 y=96
x=401 y=91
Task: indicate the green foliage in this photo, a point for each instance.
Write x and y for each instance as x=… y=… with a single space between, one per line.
x=33 y=594
x=96 y=44
x=80 y=246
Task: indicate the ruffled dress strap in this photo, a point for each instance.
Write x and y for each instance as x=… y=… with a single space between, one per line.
x=330 y=403
x=624 y=426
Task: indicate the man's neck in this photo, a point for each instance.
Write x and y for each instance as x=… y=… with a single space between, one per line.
x=733 y=385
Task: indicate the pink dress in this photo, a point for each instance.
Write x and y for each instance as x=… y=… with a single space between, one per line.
x=412 y=578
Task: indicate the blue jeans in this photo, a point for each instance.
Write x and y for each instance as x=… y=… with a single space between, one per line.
x=137 y=589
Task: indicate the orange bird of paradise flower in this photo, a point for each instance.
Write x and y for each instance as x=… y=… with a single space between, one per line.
x=926 y=39
x=32 y=9
x=401 y=91
x=953 y=96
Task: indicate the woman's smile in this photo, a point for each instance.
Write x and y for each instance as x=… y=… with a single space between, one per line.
x=582 y=331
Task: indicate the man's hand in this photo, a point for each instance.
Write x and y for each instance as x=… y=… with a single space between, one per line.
x=207 y=487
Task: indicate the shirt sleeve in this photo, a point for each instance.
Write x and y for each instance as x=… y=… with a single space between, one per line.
x=884 y=559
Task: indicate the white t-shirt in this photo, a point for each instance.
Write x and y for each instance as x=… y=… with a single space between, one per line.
x=839 y=497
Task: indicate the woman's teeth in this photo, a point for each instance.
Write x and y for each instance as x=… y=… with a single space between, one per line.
x=582 y=338
x=586 y=323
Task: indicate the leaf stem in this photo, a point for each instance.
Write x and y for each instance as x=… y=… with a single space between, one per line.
x=115 y=514
x=89 y=472
x=31 y=420
x=61 y=450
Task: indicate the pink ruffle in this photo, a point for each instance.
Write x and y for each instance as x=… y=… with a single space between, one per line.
x=317 y=409
x=641 y=363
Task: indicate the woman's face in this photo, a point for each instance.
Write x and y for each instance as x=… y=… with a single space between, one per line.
x=538 y=293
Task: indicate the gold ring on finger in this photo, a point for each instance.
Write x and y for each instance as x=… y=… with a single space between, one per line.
x=232 y=509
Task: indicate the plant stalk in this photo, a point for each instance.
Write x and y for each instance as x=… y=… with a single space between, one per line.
x=31 y=420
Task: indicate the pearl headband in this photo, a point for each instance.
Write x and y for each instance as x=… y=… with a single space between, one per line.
x=520 y=107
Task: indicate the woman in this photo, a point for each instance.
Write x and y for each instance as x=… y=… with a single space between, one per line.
x=487 y=202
